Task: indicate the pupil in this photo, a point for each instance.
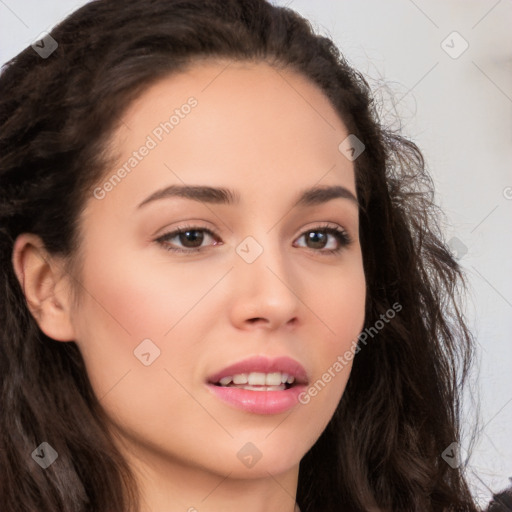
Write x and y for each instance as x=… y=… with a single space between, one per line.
x=192 y=238
x=318 y=239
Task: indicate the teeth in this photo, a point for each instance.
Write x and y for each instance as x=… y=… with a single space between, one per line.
x=257 y=379
x=281 y=387
x=240 y=378
x=271 y=380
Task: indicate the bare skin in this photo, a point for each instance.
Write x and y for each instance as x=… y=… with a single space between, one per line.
x=267 y=135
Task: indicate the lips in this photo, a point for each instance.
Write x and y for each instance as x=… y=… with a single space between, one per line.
x=262 y=365
x=252 y=385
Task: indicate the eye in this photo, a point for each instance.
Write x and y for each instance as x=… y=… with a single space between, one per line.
x=190 y=238
x=193 y=239
x=326 y=239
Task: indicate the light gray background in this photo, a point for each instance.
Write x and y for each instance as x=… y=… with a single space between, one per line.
x=459 y=111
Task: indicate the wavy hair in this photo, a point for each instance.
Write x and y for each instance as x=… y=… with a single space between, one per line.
x=401 y=407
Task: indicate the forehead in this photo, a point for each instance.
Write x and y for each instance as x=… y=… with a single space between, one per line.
x=246 y=125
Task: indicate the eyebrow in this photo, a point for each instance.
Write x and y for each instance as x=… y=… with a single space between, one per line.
x=309 y=197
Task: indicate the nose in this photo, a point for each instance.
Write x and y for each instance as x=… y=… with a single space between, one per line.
x=265 y=293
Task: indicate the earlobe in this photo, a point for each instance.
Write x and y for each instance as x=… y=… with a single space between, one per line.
x=45 y=286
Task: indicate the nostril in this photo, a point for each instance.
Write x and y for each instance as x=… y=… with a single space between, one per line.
x=254 y=320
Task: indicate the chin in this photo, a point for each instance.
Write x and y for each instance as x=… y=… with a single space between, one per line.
x=258 y=459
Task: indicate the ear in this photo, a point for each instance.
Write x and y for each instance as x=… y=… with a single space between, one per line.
x=45 y=285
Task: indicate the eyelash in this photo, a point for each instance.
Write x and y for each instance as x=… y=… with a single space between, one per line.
x=342 y=236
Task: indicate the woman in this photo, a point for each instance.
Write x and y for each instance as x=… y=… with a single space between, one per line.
x=224 y=286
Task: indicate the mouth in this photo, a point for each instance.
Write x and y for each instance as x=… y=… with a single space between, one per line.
x=260 y=385
x=261 y=373
x=258 y=381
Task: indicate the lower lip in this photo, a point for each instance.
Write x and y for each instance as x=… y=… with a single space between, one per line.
x=258 y=402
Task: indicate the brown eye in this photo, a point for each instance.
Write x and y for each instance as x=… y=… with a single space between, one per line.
x=326 y=239
x=192 y=238
x=316 y=239
x=189 y=239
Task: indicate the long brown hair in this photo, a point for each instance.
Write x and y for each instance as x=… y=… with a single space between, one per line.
x=400 y=411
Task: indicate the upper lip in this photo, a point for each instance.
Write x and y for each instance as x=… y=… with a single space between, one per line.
x=264 y=365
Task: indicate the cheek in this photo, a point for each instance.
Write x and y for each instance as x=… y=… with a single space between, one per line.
x=124 y=304
x=123 y=317
x=340 y=307
x=131 y=299
x=338 y=301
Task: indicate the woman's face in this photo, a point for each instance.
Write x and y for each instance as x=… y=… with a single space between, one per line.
x=266 y=273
